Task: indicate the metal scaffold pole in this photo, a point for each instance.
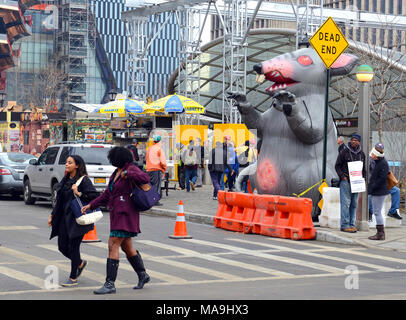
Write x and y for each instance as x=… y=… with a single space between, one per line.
x=234 y=56
x=189 y=56
x=136 y=57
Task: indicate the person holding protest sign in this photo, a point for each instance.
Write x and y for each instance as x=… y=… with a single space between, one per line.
x=348 y=197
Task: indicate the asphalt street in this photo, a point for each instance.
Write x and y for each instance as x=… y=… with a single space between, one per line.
x=215 y=264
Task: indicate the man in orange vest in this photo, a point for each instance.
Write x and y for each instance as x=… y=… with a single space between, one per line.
x=156 y=163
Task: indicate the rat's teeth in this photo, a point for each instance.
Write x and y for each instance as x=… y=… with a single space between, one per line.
x=260 y=78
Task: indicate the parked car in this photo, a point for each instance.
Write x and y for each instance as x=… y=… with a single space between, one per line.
x=41 y=177
x=12 y=165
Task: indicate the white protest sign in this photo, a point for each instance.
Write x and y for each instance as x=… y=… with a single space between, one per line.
x=357 y=182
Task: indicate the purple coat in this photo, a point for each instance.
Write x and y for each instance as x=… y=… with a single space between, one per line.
x=123 y=214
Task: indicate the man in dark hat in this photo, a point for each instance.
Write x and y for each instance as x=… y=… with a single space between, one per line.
x=349 y=200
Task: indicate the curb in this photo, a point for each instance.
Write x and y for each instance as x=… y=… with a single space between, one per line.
x=189 y=216
x=321 y=235
x=327 y=236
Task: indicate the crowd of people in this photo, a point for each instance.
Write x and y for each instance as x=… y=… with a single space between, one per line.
x=225 y=162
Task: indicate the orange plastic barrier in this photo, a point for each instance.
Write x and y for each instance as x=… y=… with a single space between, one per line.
x=284 y=217
x=91 y=236
x=235 y=212
x=269 y=215
x=180 y=224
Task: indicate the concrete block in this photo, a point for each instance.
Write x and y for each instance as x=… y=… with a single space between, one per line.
x=330 y=213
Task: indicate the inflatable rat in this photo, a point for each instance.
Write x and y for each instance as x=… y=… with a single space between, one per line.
x=292 y=129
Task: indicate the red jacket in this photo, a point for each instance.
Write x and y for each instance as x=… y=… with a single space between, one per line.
x=123 y=214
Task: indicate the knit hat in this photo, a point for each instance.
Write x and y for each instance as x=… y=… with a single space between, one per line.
x=356 y=136
x=379 y=146
x=156 y=138
x=376 y=153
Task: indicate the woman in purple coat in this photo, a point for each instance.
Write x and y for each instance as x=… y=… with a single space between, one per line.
x=124 y=218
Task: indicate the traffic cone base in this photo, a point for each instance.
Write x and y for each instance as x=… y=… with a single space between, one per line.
x=91 y=236
x=180 y=225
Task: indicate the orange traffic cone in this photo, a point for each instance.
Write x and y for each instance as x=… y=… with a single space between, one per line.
x=180 y=225
x=91 y=236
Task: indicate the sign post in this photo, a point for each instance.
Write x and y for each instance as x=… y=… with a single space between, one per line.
x=329 y=43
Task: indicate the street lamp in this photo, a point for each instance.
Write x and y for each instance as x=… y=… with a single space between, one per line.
x=112 y=94
x=364 y=75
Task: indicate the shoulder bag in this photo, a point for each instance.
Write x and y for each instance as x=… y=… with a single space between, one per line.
x=392 y=181
x=144 y=197
x=91 y=216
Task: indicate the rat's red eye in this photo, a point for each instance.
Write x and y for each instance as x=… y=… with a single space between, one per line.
x=305 y=60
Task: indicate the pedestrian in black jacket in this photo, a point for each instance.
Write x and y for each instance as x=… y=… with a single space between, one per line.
x=62 y=219
x=349 y=200
x=217 y=163
x=378 y=189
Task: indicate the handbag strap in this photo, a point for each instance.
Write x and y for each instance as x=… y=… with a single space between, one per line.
x=79 y=181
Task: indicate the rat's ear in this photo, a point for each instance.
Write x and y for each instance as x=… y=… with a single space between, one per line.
x=343 y=65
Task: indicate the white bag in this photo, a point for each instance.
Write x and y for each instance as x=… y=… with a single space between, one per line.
x=87 y=218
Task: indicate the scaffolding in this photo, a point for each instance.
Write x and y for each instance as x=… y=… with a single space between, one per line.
x=234 y=56
x=136 y=58
x=188 y=18
x=75 y=41
x=234 y=16
x=309 y=17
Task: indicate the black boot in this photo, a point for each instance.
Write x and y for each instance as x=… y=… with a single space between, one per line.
x=108 y=287
x=138 y=266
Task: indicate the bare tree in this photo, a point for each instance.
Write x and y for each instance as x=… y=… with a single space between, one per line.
x=388 y=84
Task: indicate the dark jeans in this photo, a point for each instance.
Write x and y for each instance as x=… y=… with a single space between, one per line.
x=70 y=248
x=215 y=178
x=191 y=176
x=181 y=176
x=156 y=180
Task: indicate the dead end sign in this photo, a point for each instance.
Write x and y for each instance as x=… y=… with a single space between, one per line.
x=329 y=42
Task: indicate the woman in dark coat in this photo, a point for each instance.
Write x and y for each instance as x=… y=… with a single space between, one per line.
x=378 y=189
x=124 y=217
x=62 y=219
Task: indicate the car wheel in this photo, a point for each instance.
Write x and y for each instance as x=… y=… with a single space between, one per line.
x=53 y=197
x=28 y=199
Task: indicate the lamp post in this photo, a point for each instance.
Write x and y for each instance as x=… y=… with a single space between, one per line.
x=364 y=75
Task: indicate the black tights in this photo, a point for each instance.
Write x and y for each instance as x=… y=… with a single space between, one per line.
x=70 y=248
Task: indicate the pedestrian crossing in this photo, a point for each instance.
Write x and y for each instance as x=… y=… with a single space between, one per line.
x=192 y=262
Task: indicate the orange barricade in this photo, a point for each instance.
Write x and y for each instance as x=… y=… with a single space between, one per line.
x=284 y=217
x=235 y=212
x=269 y=215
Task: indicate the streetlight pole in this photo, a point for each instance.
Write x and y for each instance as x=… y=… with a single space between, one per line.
x=364 y=75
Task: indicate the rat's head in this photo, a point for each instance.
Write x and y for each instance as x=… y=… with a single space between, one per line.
x=297 y=71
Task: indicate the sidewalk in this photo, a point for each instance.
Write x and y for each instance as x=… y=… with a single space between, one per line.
x=200 y=208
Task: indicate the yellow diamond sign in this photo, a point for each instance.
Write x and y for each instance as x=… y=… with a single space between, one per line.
x=329 y=42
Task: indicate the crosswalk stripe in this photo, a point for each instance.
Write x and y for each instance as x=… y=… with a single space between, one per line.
x=36 y=260
x=17 y=228
x=217 y=259
x=182 y=265
x=316 y=255
x=87 y=273
x=352 y=250
x=22 y=276
x=298 y=262
x=154 y=274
